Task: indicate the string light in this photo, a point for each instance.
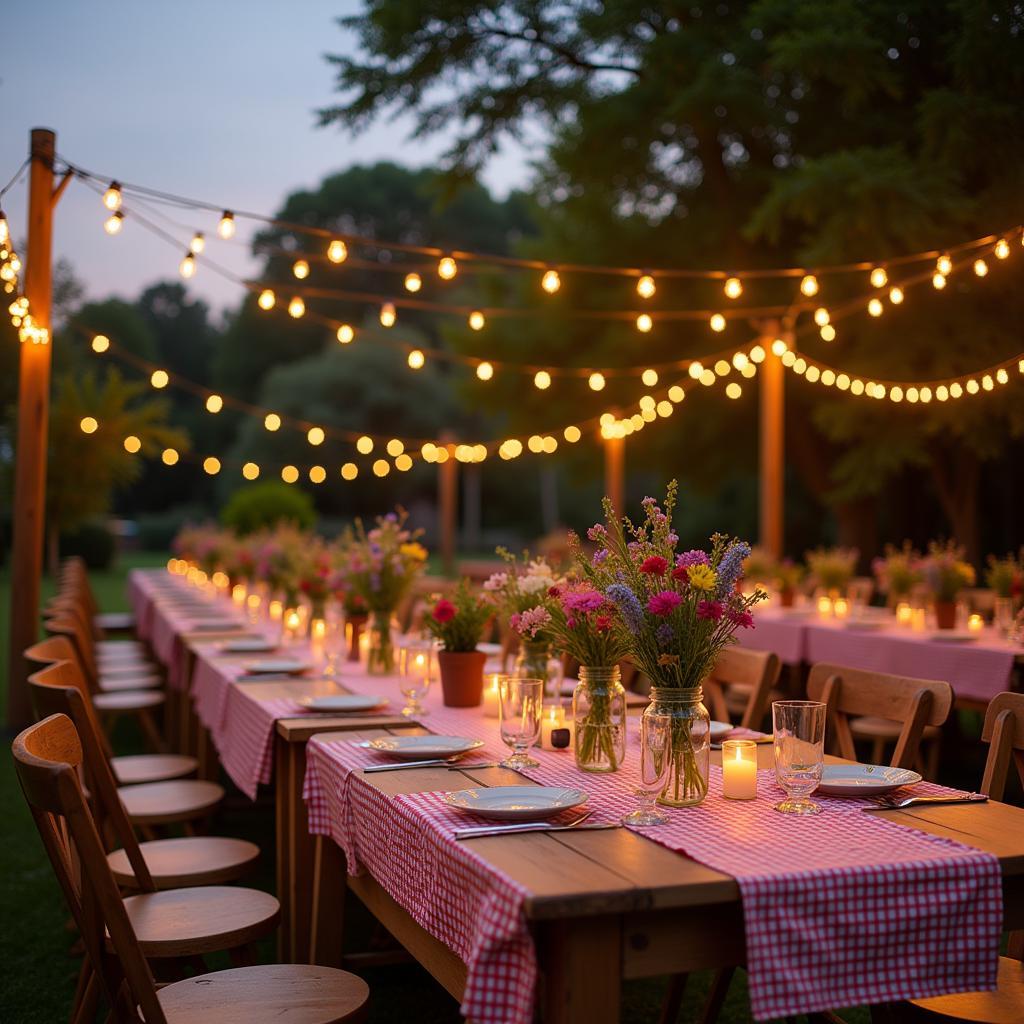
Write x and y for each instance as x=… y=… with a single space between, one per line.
x=89 y=425
x=717 y=323
x=695 y=370
x=476 y=320
x=896 y=295
x=198 y=243
x=542 y=380
x=733 y=288
x=779 y=347
x=381 y=467
x=828 y=333
x=226 y=226
x=551 y=282
x=100 y=343
x=413 y=282
x=388 y=315
x=809 y=285
x=349 y=471
x=875 y=307
x=416 y=359
x=345 y=334
x=572 y=434
x=485 y=371
x=159 y=379
x=938 y=281
x=317 y=474
x=1001 y=249
x=645 y=287
x=644 y=323
x=337 y=251
x=447 y=268
x=733 y=390
x=289 y=474
x=394 y=447
x=596 y=382
x=403 y=463
x=300 y=268
x=267 y=299
x=132 y=444
x=315 y=436
x=250 y=471
x=112 y=196
x=980 y=267
x=211 y=465
x=944 y=265
x=113 y=224
x=272 y=422
x=296 y=307
x=169 y=456
x=364 y=445
x=214 y=404
x=187 y=267
x=879 y=278
x=650 y=378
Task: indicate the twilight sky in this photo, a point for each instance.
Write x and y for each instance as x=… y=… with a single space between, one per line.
x=213 y=100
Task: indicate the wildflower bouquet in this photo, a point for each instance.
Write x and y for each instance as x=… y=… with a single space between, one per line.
x=204 y=546
x=759 y=566
x=1005 y=576
x=239 y=560
x=278 y=555
x=832 y=568
x=945 y=571
x=787 y=577
x=898 y=571
x=458 y=623
x=314 y=573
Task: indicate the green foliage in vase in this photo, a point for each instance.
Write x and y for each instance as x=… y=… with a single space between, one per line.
x=458 y=622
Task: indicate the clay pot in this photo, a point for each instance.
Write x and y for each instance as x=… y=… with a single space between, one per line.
x=945 y=614
x=358 y=624
x=462 y=677
x=787 y=597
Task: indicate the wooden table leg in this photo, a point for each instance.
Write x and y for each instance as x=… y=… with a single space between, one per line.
x=327 y=916
x=282 y=812
x=581 y=971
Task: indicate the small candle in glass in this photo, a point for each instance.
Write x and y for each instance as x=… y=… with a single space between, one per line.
x=904 y=614
x=292 y=624
x=841 y=608
x=919 y=620
x=975 y=624
x=253 y=602
x=318 y=641
x=238 y=594
x=824 y=606
x=220 y=581
x=275 y=610
x=553 y=718
x=739 y=769
x=364 y=646
x=492 y=700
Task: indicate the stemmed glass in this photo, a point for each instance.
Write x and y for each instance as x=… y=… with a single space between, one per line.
x=799 y=752
x=521 y=702
x=415 y=666
x=655 y=763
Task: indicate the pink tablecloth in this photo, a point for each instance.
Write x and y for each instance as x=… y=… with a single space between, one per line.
x=775 y=631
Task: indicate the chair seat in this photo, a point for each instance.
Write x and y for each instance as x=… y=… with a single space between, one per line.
x=871 y=728
x=119 y=648
x=114 y=622
x=118 y=668
x=1004 y=1006
x=196 y=860
x=118 y=684
x=297 y=993
x=162 y=803
x=202 y=919
x=128 y=700
x=132 y=769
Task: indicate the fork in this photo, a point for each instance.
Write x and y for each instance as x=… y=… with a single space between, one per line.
x=527 y=826
x=888 y=803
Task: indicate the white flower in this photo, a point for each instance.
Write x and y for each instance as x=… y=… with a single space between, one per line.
x=497 y=581
x=533 y=584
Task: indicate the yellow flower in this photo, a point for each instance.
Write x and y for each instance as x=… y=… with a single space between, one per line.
x=668 y=659
x=417 y=552
x=702 y=577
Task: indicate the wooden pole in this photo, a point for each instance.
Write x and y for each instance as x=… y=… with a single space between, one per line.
x=615 y=472
x=773 y=451
x=33 y=420
x=447 y=501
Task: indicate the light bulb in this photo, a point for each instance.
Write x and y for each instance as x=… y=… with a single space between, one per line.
x=345 y=334
x=535 y=444
x=388 y=316
x=403 y=463
x=972 y=387
x=416 y=359
x=100 y=343
x=226 y=226
x=113 y=224
x=980 y=268
x=722 y=368
x=349 y=471
x=296 y=307
x=337 y=251
x=132 y=444
x=828 y=333
x=717 y=322
x=250 y=471
x=895 y=295
x=664 y=409
x=300 y=268
x=112 y=197
x=955 y=389
x=211 y=465
x=169 y=456
x=476 y=320
x=551 y=282
x=875 y=307
x=266 y=299
x=272 y=421
x=821 y=316
x=758 y=354
x=1002 y=249
x=394 y=447
x=447 y=268
x=542 y=380
x=650 y=378
x=1002 y=376
x=315 y=436
x=485 y=371
x=740 y=360
x=896 y=393
x=733 y=288
x=381 y=467
x=214 y=404
x=572 y=434
x=695 y=370
x=938 y=281
x=733 y=390
x=364 y=445
x=187 y=267
x=644 y=323
x=779 y=347
x=596 y=382
x=645 y=286
x=198 y=242
x=413 y=282
x=89 y=425
x=5 y=230
x=289 y=474
x=317 y=474
x=159 y=379
x=809 y=285
x=944 y=265
x=879 y=277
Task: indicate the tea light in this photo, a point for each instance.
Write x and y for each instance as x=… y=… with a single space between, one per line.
x=975 y=624
x=919 y=620
x=253 y=602
x=904 y=614
x=824 y=607
x=739 y=769
x=318 y=639
x=292 y=624
x=220 y=581
x=275 y=610
x=554 y=719
x=364 y=646
x=238 y=594
x=492 y=700
x=841 y=608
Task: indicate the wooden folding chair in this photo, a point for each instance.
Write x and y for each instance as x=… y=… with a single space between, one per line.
x=47 y=758
x=747 y=675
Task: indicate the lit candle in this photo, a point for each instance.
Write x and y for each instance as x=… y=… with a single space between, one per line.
x=364 y=646
x=292 y=624
x=904 y=614
x=739 y=769
x=554 y=718
x=840 y=608
x=238 y=594
x=318 y=640
x=253 y=602
x=492 y=700
x=824 y=606
x=919 y=620
x=275 y=610
x=975 y=624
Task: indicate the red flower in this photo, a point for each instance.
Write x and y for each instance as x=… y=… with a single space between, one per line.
x=444 y=611
x=664 y=603
x=654 y=566
x=603 y=623
x=710 y=610
x=554 y=591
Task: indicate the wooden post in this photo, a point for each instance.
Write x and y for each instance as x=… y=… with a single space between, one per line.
x=773 y=450
x=615 y=472
x=33 y=420
x=447 y=503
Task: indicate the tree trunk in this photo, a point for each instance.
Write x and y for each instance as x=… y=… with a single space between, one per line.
x=957 y=474
x=53 y=549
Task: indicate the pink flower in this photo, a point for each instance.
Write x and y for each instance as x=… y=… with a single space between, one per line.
x=444 y=611
x=664 y=603
x=655 y=565
x=582 y=601
x=710 y=610
x=603 y=623
x=530 y=622
x=741 y=618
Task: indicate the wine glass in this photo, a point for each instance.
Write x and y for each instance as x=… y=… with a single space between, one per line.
x=655 y=762
x=521 y=702
x=799 y=752
x=415 y=665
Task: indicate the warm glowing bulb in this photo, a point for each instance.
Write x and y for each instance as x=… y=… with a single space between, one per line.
x=535 y=444
x=413 y=282
x=345 y=334
x=879 y=277
x=485 y=371
x=980 y=268
x=809 y=285
x=337 y=251
x=169 y=456
x=300 y=268
x=89 y=425
x=944 y=265
x=896 y=295
x=645 y=286
x=113 y=224
x=644 y=323
x=266 y=299
x=733 y=390
x=942 y=393
x=740 y=360
x=821 y=316
x=695 y=370
x=717 y=322
x=5 y=231
x=956 y=389
x=226 y=226
x=315 y=436
x=211 y=465
x=896 y=393
x=551 y=282
x=542 y=380
x=733 y=288
x=875 y=307
x=250 y=471
x=364 y=445
x=596 y=382
x=476 y=320
x=1002 y=376
x=100 y=343
x=388 y=315
x=296 y=307
x=132 y=444
x=214 y=403
x=187 y=267
x=758 y=354
x=349 y=471
x=649 y=377
x=779 y=347
x=416 y=359
x=828 y=333
x=112 y=197
x=317 y=474
x=722 y=368
x=395 y=447
x=972 y=387
x=447 y=268
x=403 y=463
x=938 y=281
x=289 y=474
x=159 y=379
x=198 y=242
x=572 y=434
x=381 y=467
x=272 y=421
x=1002 y=249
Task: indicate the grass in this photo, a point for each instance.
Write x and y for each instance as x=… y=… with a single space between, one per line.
x=38 y=970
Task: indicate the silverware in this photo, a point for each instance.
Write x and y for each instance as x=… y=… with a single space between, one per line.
x=474 y=764
x=537 y=826
x=895 y=804
x=272 y=677
x=440 y=762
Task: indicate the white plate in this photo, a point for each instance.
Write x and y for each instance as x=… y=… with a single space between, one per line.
x=719 y=730
x=416 y=748
x=249 y=645
x=953 y=636
x=343 y=702
x=516 y=803
x=864 y=779
x=282 y=666
x=865 y=625
x=491 y=650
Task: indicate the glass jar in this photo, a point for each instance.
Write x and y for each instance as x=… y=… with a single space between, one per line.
x=532 y=660
x=1002 y=615
x=599 y=717
x=380 y=654
x=691 y=744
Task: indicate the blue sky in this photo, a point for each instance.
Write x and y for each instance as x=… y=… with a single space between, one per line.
x=211 y=99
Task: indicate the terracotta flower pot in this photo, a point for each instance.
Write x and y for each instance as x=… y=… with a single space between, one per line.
x=945 y=614
x=462 y=677
x=787 y=596
x=358 y=624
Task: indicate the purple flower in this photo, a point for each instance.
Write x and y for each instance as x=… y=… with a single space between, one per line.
x=665 y=634
x=730 y=568
x=600 y=555
x=596 y=532
x=629 y=606
x=663 y=603
x=694 y=557
x=710 y=610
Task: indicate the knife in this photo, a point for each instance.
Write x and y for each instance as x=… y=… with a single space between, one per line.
x=511 y=830
x=403 y=765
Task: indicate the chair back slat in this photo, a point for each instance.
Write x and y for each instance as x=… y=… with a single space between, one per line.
x=758 y=670
x=69 y=626
x=1004 y=733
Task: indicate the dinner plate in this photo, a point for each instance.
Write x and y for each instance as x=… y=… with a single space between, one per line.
x=422 y=748
x=953 y=636
x=249 y=645
x=491 y=650
x=516 y=803
x=719 y=730
x=343 y=702
x=279 y=666
x=864 y=779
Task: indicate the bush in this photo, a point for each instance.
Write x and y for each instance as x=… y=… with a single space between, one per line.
x=267 y=505
x=156 y=530
x=92 y=542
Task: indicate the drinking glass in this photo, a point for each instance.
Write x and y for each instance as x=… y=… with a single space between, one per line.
x=799 y=752
x=416 y=671
x=521 y=702
x=655 y=765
